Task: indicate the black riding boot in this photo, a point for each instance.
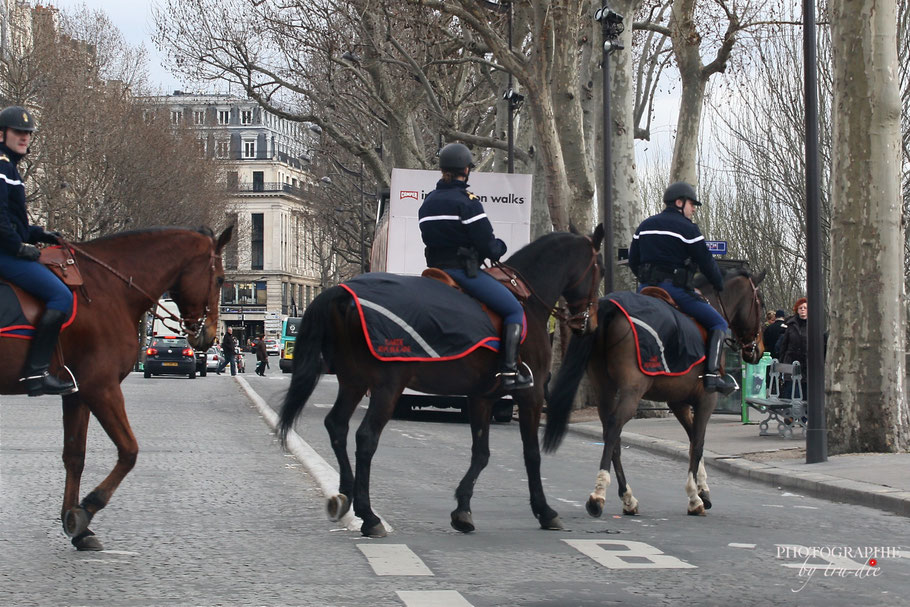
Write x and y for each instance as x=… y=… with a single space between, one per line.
x=714 y=381
x=35 y=375
x=509 y=373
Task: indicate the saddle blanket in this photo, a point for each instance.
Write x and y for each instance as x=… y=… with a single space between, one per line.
x=667 y=341
x=411 y=318
x=13 y=320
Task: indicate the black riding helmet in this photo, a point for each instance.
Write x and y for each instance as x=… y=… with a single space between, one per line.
x=678 y=190
x=17 y=117
x=455 y=157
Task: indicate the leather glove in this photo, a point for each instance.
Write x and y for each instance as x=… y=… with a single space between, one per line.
x=50 y=237
x=29 y=252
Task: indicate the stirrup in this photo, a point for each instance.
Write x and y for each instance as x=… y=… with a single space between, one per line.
x=714 y=382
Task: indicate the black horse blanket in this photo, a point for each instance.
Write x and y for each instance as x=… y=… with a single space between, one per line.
x=668 y=342
x=411 y=318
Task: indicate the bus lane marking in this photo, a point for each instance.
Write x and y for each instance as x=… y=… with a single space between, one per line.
x=625 y=554
x=394 y=559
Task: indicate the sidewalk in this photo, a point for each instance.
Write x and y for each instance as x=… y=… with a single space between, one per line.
x=876 y=480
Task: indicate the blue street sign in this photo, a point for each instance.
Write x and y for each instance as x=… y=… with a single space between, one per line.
x=717 y=247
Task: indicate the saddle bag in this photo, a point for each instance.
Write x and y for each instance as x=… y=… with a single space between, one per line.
x=61 y=262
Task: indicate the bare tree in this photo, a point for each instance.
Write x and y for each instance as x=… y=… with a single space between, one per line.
x=867 y=403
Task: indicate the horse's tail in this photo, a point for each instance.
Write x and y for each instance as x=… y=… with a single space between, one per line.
x=311 y=348
x=562 y=395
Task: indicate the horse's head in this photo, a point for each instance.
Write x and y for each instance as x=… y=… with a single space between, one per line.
x=581 y=292
x=197 y=290
x=741 y=304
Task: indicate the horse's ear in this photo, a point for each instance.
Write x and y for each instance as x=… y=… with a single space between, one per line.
x=224 y=238
x=598 y=236
x=759 y=277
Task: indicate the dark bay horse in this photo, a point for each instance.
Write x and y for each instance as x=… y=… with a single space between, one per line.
x=610 y=358
x=557 y=264
x=124 y=276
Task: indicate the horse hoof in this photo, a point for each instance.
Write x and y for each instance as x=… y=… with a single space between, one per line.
x=699 y=511
x=462 y=521
x=595 y=507
x=337 y=506
x=554 y=524
x=706 y=499
x=75 y=521
x=375 y=530
x=87 y=542
x=630 y=512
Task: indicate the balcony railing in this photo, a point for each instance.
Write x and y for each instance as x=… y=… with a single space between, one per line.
x=267 y=186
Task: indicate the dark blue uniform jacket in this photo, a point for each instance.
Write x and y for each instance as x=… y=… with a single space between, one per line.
x=667 y=240
x=451 y=217
x=14 y=226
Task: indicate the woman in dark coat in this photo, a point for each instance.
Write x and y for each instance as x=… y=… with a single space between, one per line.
x=794 y=343
x=262 y=356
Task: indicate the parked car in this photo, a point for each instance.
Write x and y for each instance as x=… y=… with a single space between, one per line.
x=213 y=357
x=170 y=355
x=272 y=347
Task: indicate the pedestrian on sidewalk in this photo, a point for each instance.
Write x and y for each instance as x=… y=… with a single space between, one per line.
x=262 y=355
x=793 y=345
x=773 y=333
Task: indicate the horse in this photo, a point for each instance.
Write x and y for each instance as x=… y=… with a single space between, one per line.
x=557 y=264
x=124 y=275
x=610 y=358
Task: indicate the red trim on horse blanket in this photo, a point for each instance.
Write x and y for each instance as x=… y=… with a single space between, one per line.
x=13 y=322
x=416 y=319
x=667 y=341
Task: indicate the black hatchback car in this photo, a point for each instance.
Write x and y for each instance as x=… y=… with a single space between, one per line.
x=171 y=355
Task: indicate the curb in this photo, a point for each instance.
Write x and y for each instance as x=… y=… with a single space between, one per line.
x=815 y=484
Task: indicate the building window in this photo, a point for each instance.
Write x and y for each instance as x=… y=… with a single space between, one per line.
x=249 y=149
x=256 y=241
x=198 y=117
x=175 y=117
x=224 y=116
x=222 y=148
x=246 y=117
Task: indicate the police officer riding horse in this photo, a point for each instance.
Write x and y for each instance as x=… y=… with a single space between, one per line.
x=458 y=237
x=666 y=251
x=19 y=256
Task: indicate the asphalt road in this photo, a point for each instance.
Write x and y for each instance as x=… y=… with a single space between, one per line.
x=216 y=513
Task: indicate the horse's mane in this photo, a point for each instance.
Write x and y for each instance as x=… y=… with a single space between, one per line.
x=701 y=281
x=541 y=246
x=204 y=230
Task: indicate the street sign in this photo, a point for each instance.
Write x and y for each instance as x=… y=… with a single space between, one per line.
x=717 y=247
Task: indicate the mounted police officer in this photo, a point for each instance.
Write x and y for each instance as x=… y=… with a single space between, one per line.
x=19 y=256
x=667 y=249
x=458 y=237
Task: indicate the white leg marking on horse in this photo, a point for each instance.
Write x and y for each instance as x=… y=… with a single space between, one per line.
x=629 y=503
x=692 y=492
x=601 y=484
x=702 y=476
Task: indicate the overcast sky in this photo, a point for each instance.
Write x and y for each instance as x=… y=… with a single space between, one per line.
x=134 y=20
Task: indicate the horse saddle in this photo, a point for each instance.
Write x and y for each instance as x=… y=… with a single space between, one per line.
x=507 y=276
x=658 y=293
x=20 y=310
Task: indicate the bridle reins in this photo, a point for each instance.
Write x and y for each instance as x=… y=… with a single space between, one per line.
x=578 y=321
x=747 y=348
x=189 y=326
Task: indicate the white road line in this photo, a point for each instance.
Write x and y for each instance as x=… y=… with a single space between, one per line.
x=614 y=554
x=325 y=476
x=746 y=546
x=393 y=559
x=432 y=598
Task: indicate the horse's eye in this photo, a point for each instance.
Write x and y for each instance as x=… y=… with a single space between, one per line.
x=220 y=280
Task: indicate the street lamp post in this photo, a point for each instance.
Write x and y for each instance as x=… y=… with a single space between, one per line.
x=612 y=27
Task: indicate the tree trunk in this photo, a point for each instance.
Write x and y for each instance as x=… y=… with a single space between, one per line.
x=867 y=408
x=686 y=49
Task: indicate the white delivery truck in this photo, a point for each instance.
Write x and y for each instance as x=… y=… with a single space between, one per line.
x=398 y=247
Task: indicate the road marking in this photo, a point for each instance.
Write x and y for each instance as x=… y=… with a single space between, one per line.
x=746 y=546
x=393 y=559
x=624 y=554
x=432 y=598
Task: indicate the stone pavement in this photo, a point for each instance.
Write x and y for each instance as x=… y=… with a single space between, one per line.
x=876 y=480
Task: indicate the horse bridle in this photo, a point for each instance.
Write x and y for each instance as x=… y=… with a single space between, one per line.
x=578 y=322
x=191 y=327
x=746 y=348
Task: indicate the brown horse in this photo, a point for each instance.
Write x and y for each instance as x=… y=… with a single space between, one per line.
x=124 y=276
x=556 y=264
x=610 y=358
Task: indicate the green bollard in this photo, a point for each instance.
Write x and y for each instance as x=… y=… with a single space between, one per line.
x=755 y=383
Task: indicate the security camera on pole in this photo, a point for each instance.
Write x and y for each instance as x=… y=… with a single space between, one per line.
x=612 y=27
